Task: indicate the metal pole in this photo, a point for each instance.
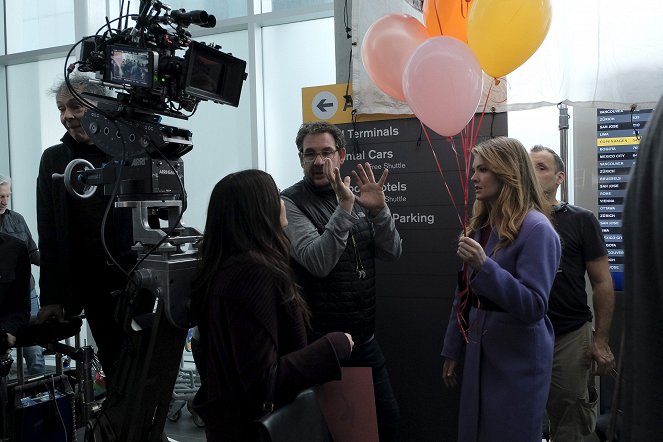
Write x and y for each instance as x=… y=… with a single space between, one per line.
x=564 y=145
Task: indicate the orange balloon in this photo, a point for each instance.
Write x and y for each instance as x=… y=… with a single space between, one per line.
x=447 y=18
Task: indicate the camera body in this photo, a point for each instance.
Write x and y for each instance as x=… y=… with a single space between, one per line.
x=156 y=69
x=143 y=65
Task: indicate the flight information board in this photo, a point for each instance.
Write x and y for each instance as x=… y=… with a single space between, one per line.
x=617 y=140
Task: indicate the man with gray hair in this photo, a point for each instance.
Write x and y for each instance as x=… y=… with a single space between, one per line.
x=13 y=224
x=76 y=271
x=573 y=402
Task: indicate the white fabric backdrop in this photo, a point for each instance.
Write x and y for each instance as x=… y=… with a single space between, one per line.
x=598 y=53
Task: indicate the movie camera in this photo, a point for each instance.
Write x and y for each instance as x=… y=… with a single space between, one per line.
x=142 y=62
x=144 y=66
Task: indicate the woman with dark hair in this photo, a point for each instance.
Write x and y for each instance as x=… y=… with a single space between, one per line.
x=249 y=311
x=511 y=254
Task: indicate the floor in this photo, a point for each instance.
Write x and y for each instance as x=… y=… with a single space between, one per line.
x=184 y=429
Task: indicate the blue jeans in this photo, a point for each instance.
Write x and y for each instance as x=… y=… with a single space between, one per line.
x=34 y=356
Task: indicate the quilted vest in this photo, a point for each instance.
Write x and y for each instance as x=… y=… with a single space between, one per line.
x=345 y=299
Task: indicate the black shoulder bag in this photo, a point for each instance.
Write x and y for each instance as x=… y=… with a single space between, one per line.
x=298 y=420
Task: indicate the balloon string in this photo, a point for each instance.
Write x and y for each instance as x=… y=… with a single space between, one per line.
x=464 y=11
x=464 y=304
x=483 y=112
x=463 y=178
x=469 y=136
x=437 y=17
x=439 y=168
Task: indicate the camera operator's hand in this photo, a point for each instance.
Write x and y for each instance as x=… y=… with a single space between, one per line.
x=7 y=341
x=51 y=312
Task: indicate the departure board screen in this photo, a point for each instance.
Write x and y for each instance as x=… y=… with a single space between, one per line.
x=617 y=140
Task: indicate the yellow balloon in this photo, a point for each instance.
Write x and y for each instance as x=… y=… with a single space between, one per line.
x=504 y=33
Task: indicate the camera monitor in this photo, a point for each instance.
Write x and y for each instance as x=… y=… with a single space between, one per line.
x=130 y=65
x=213 y=75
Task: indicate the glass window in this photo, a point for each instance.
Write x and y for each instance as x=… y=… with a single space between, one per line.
x=308 y=61
x=280 y=5
x=221 y=10
x=38 y=24
x=34 y=124
x=221 y=137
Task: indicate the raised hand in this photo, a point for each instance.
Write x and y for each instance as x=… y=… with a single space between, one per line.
x=371 y=193
x=346 y=198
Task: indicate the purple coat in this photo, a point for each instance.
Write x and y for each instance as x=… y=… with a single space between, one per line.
x=508 y=360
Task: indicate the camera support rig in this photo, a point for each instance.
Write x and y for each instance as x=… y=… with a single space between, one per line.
x=154 y=309
x=146 y=176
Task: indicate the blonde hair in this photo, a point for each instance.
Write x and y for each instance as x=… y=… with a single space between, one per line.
x=519 y=190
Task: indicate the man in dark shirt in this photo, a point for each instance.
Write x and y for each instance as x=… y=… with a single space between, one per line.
x=76 y=271
x=573 y=403
x=14 y=224
x=14 y=289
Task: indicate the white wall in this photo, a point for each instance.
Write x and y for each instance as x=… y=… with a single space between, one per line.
x=34 y=124
x=541 y=126
x=221 y=138
x=297 y=55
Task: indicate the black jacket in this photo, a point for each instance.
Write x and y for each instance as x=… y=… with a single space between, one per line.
x=14 y=284
x=70 y=231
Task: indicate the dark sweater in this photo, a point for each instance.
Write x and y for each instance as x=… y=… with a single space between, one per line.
x=70 y=232
x=245 y=328
x=14 y=284
x=74 y=268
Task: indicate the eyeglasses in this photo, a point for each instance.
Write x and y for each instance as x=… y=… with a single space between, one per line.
x=310 y=157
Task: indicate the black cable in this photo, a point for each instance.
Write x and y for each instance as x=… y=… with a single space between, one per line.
x=121 y=11
x=68 y=69
x=126 y=20
x=90 y=105
x=492 y=122
x=118 y=19
x=348 y=96
x=57 y=410
x=346 y=20
x=635 y=131
x=111 y=201
x=355 y=138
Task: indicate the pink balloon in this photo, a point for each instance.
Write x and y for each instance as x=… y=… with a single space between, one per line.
x=387 y=47
x=442 y=82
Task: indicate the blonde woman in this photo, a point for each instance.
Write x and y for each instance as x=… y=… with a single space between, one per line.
x=510 y=257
